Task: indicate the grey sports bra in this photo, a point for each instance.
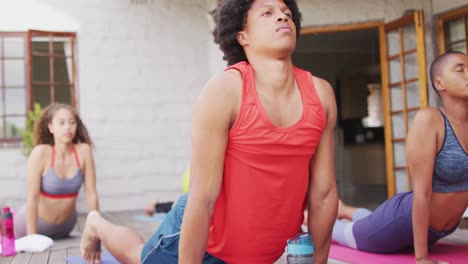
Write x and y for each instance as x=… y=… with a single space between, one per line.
x=451 y=164
x=53 y=186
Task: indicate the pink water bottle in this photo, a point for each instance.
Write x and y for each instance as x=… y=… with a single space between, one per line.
x=8 y=235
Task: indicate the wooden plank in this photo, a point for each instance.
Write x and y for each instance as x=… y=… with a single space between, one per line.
x=341 y=28
x=21 y=258
x=42 y=257
x=466 y=33
x=405 y=53
x=403 y=92
x=421 y=47
x=57 y=256
x=73 y=251
x=387 y=116
x=452 y=15
x=5 y=260
x=400 y=22
x=441 y=35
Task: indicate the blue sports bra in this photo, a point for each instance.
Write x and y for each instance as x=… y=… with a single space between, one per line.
x=53 y=186
x=451 y=164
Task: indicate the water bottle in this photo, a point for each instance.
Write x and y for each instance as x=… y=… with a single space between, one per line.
x=300 y=250
x=8 y=236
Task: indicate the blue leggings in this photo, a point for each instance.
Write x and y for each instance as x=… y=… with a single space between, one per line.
x=388 y=229
x=343 y=230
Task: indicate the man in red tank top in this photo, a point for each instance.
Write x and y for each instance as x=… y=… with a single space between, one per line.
x=262 y=150
x=262 y=139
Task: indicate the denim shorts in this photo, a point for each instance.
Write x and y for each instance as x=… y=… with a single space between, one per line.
x=163 y=246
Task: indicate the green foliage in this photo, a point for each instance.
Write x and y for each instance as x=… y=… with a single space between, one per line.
x=28 y=132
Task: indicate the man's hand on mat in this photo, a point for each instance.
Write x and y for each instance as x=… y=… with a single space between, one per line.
x=428 y=261
x=90 y=245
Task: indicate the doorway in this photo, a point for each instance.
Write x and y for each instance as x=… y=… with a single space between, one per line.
x=350 y=61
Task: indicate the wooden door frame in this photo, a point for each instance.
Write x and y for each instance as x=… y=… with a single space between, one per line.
x=416 y=18
x=380 y=26
x=447 y=17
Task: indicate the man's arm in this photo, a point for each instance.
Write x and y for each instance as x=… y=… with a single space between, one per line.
x=323 y=197
x=212 y=117
x=421 y=150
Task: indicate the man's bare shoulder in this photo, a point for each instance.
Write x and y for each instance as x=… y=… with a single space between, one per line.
x=222 y=92
x=220 y=97
x=322 y=86
x=227 y=82
x=325 y=93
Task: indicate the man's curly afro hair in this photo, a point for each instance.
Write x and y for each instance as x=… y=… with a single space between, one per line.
x=230 y=18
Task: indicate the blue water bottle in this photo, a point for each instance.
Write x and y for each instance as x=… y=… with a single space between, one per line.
x=300 y=250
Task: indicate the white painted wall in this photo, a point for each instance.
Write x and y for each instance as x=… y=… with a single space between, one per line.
x=440 y=6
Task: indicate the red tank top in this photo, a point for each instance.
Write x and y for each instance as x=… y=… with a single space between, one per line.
x=266 y=175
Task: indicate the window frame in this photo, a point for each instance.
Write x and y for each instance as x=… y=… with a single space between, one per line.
x=447 y=17
x=51 y=55
x=3 y=117
x=28 y=71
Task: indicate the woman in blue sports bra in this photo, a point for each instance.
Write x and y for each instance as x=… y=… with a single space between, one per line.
x=437 y=153
x=59 y=164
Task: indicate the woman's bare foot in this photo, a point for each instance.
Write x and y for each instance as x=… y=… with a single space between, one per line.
x=342 y=210
x=151 y=208
x=90 y=245
x=345 y=211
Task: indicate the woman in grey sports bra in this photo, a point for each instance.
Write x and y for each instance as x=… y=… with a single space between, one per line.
x=59 y=164
x=437 y=156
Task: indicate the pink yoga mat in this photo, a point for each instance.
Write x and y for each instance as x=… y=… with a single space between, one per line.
x=451 y=253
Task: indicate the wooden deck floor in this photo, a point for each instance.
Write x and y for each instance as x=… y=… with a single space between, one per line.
x=70 y=246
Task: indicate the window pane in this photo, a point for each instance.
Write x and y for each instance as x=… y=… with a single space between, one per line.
x=40 y=44
x=62 y=46
x=409 y=37
x=62 y=70
x=63 y=94
x=411 y=116
x=15 y=101
x=411 y=66
x=1 y=105
x=41 y=95
x=401 y=181
x=14 y=72
x=395 y=70
x=14 y=47
x=455 y=30
x=40 y=69
x=399 y=154
x=412 y=95
x=458 y=47
x=393 y=42
x=398 y=128
x=396 y=99
x=14 y=126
